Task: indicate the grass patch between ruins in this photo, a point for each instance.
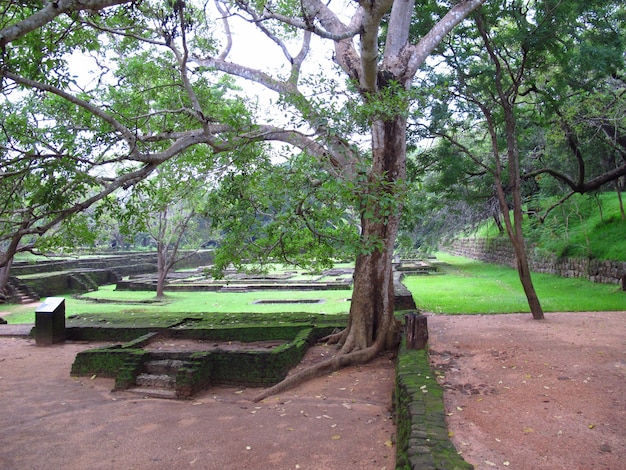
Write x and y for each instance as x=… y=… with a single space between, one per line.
x=135 y=305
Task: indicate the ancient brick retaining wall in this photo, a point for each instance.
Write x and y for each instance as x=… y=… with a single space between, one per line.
x=422 y=441
x=500 y=251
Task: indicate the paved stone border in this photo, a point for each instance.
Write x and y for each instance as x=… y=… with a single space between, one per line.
x=422 y=440
x=16 y=330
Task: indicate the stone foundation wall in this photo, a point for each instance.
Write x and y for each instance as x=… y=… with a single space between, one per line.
x=500 y=251
x=422 y=439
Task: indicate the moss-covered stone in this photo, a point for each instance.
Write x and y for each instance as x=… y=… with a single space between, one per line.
x=422 y=435
x=105 y=362
x=255 y=368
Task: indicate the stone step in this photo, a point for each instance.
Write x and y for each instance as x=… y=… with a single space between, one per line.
x=235 y=289
x=154 y=392
x=156 y=380
x=163 y=366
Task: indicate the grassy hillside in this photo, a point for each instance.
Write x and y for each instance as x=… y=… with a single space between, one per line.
x=585 y=226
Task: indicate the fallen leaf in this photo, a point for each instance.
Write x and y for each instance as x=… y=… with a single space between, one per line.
x=389 y=443
x=528 y=430
x=336 y=437
x=450 y=433
x=591 y=426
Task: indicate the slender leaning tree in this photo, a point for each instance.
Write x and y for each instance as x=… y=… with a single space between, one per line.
x=171 y=107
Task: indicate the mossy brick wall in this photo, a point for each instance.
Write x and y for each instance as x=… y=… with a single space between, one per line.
x=105 y=362
x=250 y=333
x=259 y=368
x=243 y=333
x=500 y=251
x=422 y=433
x=64 y=282
x=194 y=377
x=107 y=333
x=245 y=368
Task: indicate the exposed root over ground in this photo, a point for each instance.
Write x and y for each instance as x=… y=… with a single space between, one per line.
x=337 y=362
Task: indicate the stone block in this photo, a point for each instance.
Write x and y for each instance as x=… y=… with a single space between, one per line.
x=50 y=322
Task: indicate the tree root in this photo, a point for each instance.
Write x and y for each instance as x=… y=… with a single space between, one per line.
x=333 y=338
x=317 y=370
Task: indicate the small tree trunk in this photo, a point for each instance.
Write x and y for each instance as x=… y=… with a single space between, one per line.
x=161 y=269
x=6 y=261
x=4 y=278
x=527 y=284
x=514 y=229
x=621 y=202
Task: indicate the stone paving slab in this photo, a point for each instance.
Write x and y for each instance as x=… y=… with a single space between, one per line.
x=16 y=330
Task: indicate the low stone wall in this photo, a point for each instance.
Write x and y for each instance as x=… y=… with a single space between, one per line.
x=57 y=277
x=500 y=251
x=252 y=368
x=124 y=263
x=422 y=441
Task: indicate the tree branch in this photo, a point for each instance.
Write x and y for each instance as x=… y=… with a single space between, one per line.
x=49 y=12
x=419 y=52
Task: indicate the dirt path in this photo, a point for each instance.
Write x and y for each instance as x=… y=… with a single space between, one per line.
x=537 y=395
x=50 y=420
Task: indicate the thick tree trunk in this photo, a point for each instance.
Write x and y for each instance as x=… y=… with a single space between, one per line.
x=371 y=309
x=371 y=321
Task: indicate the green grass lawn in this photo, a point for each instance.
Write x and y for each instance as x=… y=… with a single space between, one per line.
x=468 y=286
x=180 y=304
x=464 y=286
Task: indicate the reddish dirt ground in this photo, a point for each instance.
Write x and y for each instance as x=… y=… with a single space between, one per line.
x=50 y=420
x=537 y=395
x=519 y=394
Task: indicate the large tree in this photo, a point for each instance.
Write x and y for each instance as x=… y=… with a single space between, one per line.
x=162 y=100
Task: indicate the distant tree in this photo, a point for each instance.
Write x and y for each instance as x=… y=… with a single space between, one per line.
x=165 y=206
x=498 y=69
